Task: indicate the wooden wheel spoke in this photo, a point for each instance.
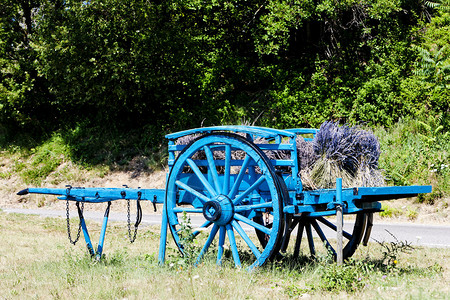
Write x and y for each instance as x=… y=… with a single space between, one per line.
x=287 y=236
x=249 y=190
x=312 y=249
x=247 y=221
x=233 y=246
x=294 y=223
x=245 y=237
x=298 y=241
x=227 y=173
x=307 y=223
x=208 y=242
x=212 y=168
x=204 y=225
x=201 y=177
x=253 y=206
x=239 y=178
x=192 y=191
x=332 y=226
x=322 y=236
x=221 y=243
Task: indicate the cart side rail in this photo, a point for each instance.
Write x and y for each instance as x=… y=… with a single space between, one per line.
x=263 y=132
x=97 y=195
x=302 y=131
x=276 y=140
x=322 y=202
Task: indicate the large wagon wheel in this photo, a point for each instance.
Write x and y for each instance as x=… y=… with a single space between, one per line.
x=306 y=224
x=266 y=218
x=227 y=195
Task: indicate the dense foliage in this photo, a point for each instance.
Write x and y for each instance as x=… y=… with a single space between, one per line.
x=100 y=70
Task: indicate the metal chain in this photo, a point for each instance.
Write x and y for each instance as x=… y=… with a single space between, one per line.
x=138 y=219
x=68 y=224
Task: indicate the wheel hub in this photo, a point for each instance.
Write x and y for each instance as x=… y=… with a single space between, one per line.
x=220 y=210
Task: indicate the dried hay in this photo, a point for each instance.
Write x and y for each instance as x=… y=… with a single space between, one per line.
x=350 y=153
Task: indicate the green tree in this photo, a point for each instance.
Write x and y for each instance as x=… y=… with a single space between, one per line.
x=433 y=67
x=167 y=65
x=24 y=97
x=115 y=60
x=441 y=5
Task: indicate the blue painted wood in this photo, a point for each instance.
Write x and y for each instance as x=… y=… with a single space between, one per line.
x=99 y=195
x=87 y=237
x=208 y=242
x=226 y=202
x=221 y=244
x=233 y=246
x=246 y=238
x=103 y=233
x=253 y=130
x=195 y=185
x=300 y=131
x=163 y=238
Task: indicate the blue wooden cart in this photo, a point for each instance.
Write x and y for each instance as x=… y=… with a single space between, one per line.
x=249 y=203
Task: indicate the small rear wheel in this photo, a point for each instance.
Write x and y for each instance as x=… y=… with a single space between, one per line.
x=326 y=230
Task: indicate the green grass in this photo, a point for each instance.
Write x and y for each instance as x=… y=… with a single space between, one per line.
x=59 y=158
x=47 y=163
x=389 y=212
x=415 y=152
x=37 y=262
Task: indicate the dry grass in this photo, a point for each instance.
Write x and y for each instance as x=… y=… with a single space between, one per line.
x=37 y=262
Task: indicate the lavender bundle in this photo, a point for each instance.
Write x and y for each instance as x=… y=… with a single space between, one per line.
x=346 y=152
x=350 y=153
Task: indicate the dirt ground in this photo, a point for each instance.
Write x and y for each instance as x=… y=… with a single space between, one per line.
x=404 y=210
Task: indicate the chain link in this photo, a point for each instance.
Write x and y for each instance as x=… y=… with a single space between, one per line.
x=68 y=224
x=138 y=219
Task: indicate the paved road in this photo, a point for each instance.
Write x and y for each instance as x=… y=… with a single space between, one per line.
x=416 y=234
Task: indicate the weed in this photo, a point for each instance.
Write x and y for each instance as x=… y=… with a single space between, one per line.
x=389 y=212
x=117 y=258
x=294 y=291
x=44 y=160
x=349 y=277
x=412 y=213
x=5 y=175
x=392 y=250
x=188 y=242
x=40 y=202
x=356 y=275
x=190 y=249
x=430 y=198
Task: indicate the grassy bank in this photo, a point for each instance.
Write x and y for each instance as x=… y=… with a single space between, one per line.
x=412 y=152
x=37 y=261
x=416 y=152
